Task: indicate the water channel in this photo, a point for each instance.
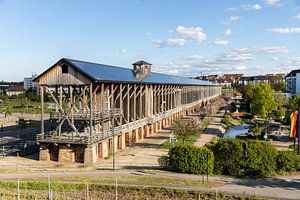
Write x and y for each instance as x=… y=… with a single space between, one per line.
x=234 y=131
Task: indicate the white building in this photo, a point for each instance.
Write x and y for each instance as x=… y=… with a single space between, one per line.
x=28 y=82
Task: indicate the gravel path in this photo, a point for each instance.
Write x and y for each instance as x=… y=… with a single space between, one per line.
x=214 y=129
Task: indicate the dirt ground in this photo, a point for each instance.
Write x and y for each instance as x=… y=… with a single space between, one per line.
x=143 y=154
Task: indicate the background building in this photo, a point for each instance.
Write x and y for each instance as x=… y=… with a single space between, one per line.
x=28 y=82
x=292 y=80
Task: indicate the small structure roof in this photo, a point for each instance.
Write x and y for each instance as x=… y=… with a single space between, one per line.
x=141 y=62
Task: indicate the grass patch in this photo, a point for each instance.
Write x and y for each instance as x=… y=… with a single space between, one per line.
x=138 y=180
x=38 y=190
x=205 y=122
x=190 y=141
x=228 y=120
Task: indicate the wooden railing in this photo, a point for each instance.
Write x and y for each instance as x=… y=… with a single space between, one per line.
x=103 y=115
x=52 y=137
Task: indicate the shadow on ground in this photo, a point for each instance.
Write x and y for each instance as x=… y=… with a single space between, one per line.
x=293 y=184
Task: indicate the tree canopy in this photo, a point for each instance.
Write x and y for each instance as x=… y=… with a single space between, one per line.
x=261 y=99
x=183 y=130
x=294 y=102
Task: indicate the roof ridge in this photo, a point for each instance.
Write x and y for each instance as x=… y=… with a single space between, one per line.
x=68 y=59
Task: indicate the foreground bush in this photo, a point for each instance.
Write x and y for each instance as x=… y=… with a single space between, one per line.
x=260 y=159
x=233 y=157
x=228 y=157
x=257 y=159
x=190 y=159
x=287 y=161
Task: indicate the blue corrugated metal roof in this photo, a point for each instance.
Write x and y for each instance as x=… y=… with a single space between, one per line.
x=100 y=72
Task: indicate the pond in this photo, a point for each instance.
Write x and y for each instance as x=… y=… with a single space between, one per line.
x=234 y=131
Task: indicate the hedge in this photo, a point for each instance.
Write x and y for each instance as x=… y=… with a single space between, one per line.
x=234 y=157
x=287 y=161
x=190 y=159
x=228 y=157
x=259 y=158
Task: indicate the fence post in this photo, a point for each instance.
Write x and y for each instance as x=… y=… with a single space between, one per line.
x=116 y=188
x=18 y=189
x=49 y=188
x=87 y=191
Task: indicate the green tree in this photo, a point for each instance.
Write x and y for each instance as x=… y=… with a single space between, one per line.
x=183 y=130
x=3 y=97
x=263 y=102
x=279 y=98
x=7 y=110
x=294 y=102
x=277 y=83
x=24 y=103
x=248 y=95
x=256 y=129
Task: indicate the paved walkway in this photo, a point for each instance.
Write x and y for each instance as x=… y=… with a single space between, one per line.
x=143 y=154
x=214 y=129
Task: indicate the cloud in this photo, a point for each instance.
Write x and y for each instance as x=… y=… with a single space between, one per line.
x=285 y=30
x=227 y=32
x=221 y=42
x=194 y=57
x=192 y=33
x=239 y=55
x=271 y=2
x=240 y=67
x=169 y=43
x=252 y=7
x=236 y=60
x=148 y=34
x=296 y=17
x=123 y=50
x=231 y=9
x=234 y=18
x=289 y=63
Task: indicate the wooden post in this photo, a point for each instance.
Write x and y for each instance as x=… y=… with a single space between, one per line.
x=134 y=103
x=121 y=105
x=42 y=110
x=91 y=109
x=60 y=103
x=113 y=124
x=128 y=103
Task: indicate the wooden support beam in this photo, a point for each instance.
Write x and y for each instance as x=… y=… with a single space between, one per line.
x=60 y=104
x=134 y=102
x=91 y=109
x=128 y=102
x=42 y=109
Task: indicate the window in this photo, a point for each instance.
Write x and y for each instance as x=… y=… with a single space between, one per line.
x=64 y=69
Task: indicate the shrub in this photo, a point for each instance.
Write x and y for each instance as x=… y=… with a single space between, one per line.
x=228 y=156
x=190 y=159
x=259 y=158
x=226 y=120
x=164 y=162
x=287 y=161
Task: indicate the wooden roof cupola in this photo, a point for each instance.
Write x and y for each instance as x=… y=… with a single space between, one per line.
x=141 y=70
